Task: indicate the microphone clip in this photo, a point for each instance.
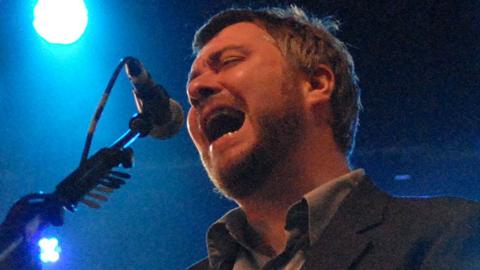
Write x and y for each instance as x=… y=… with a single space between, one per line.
x=141 y=123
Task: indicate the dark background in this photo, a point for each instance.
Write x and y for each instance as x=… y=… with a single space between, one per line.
x=418 y=62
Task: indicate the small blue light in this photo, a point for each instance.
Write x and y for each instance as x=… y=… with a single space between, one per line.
x=402 y=177
x=49 y=250
x=60 y=21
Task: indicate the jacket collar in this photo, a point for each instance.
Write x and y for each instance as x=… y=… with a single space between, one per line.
x=345 y=240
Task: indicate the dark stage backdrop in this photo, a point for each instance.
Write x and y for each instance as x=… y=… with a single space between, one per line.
x=418 y=62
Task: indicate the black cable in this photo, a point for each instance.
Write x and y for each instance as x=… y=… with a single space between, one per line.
x=100 y=107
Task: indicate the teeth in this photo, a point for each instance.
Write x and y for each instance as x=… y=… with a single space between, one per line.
x=229 y=134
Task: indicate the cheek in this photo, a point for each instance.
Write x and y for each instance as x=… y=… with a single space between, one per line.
x=255 y=84
x=238 y=74
x=192 y=126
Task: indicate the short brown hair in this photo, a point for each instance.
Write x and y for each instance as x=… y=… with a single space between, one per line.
x=306 y=42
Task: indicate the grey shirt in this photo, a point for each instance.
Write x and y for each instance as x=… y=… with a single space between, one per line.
x=231 y=240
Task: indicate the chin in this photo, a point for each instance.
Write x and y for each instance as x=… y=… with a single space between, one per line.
x=232 y=176
x=246 y=175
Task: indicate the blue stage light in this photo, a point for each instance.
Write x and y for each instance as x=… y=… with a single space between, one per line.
x=49 y=250
x=402 y=177
x=60 y=21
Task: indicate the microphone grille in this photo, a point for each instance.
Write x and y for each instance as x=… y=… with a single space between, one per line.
x=173 y=126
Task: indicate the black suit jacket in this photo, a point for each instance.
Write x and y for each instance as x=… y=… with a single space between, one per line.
x=373 y=230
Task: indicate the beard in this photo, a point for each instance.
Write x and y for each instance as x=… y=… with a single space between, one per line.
x=279 y=135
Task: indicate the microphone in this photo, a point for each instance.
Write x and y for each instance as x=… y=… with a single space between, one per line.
x=153 y=101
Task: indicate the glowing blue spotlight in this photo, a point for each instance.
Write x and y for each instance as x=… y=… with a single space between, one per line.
x=60 y=21
x=49 y=250
x=402 y=177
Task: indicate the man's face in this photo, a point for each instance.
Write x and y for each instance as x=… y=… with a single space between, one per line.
x=247 y=109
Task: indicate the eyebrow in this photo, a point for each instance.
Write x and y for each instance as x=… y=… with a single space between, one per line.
x=214 y=56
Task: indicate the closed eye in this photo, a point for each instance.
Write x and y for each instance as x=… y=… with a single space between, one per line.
x=227 y=56
x=226 y=62
x=231 y=59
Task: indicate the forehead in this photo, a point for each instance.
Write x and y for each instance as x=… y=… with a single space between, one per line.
x=244 y=34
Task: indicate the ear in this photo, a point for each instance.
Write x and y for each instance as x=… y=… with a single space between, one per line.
x=320 y=86
x=318 y=92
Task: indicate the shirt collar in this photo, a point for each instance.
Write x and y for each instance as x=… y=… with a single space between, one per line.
x=311 y=214
x=324 y=201
x=225 y=235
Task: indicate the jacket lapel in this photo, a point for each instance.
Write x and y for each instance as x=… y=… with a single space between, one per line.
x=345 y=240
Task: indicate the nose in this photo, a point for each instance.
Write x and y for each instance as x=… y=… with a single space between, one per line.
x=202 y=88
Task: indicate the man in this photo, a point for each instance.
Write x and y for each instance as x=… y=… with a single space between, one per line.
x=274 y=111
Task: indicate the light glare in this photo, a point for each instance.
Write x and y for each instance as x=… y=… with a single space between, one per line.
x=60 y=21
x=49 y=250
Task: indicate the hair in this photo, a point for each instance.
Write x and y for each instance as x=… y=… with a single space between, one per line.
x=306 y=42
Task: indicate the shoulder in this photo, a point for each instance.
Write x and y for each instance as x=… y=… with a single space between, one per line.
x=435 y=232
x=431 y=219
x=432 y=208
x=447 y=229
x=436 y=208
x=200 y=265
x=413 y=214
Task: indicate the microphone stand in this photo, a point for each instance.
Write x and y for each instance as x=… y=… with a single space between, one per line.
x=34 y=212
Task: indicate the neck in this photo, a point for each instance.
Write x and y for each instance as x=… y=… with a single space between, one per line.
x=311 y=166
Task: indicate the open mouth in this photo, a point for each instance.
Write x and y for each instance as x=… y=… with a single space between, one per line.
x=223 y=121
